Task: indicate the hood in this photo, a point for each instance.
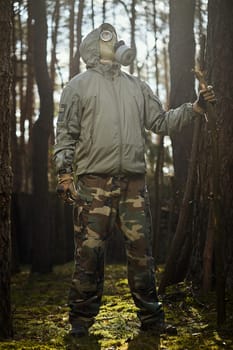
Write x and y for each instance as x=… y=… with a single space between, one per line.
x=89 y=47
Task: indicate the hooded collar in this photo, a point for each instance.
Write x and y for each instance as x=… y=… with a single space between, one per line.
x=90 y=50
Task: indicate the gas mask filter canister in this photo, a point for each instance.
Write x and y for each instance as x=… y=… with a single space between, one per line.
x=124 y=54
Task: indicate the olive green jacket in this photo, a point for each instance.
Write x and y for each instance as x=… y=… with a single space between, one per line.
x=103 y=115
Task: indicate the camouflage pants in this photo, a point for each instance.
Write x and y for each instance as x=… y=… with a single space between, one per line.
x=104 y=201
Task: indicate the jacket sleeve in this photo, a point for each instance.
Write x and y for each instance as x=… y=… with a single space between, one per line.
x=165 y=122
x=67 y=130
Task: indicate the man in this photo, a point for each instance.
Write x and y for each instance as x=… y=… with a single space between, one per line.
x=100 y=137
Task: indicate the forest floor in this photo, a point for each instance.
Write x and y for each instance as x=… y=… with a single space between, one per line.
x=40 y=316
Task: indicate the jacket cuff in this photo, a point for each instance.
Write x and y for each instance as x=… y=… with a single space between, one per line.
x=193 y=111
x=66 y=170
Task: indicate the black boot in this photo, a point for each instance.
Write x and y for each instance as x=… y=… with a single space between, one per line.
x=79 y=331
x=159 y=327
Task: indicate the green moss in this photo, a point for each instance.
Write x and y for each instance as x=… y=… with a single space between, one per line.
x=40 y=316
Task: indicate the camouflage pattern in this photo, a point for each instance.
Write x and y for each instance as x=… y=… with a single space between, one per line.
x=104 y=201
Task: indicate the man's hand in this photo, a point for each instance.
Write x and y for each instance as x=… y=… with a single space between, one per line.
x=204 y=96
x=66 y=188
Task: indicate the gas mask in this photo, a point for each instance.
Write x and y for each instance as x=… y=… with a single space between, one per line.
x=113 y=50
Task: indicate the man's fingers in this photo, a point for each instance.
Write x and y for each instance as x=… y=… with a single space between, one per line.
x=73 y=195
x=69 y=200
x=66 y=198
x=67 y=192
x=60 y=189
x=209 y=95
x=64 y=194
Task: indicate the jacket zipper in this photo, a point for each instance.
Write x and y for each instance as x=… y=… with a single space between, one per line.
x=93 y=121
x=120 y=133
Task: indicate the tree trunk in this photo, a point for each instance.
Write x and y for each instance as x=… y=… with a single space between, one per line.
x=92 y=14
x=208 y=254
x=182 y=88
x=182 y=53
x=158 y=180
x=6 y=17
x=20 y=78
x=132 y=25
x=41 y=131
x=156 y=48
x=76 y=60
x=104 y=10
x=55 y=20
x=220 y=74
x=176 y=272
x=158 y=176
x=71 y=36
x=29 y=102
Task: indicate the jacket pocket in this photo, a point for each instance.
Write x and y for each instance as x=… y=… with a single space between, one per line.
x=81 y=214
x=88 y=118
x=84 y=194
x=139 y=116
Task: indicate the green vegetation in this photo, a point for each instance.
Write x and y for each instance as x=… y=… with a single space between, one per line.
x=41 y=316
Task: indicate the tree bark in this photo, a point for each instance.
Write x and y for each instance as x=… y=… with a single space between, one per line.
x=71 y=36
x=173 y=273
x=156 y=49
x=182 y=54
x=182 y=89
x=41 y=131
x=104 y=10
x=158 y=180
x=56 y=18
x=6 y=25
x=20 y=78
x=220 y=73
x=132 y=25
x=76 y=60
x=29 y=102
x=208 y=254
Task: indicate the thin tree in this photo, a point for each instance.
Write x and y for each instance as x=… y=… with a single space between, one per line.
x=71 y=36
x=92 y=14
x=29 y=100
x=41 y=257
x=6 y=17
x=182 y=56
x=15 y=148
x=53 y=63
x=20 y=84
x=132 y=18
x=132 y=30
x=155 y=30
x=104 y=10
x=55 y=20
x=16 y=167
x=76 y=59
x=182 y=89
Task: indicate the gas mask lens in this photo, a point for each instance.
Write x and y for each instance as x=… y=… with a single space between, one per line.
x=106 y=35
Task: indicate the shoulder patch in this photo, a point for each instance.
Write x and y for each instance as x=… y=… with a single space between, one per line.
x=61 y=112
